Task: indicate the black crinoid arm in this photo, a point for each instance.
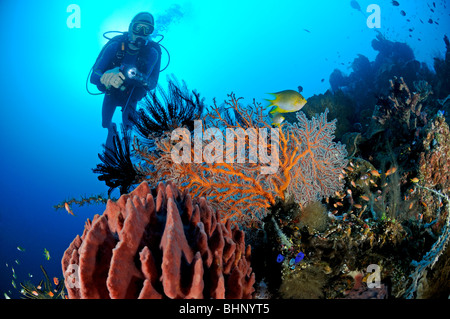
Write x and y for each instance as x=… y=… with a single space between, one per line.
x=164 y=111
x=116 y=169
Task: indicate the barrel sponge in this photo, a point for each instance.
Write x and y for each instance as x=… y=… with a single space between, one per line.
x=158 y=243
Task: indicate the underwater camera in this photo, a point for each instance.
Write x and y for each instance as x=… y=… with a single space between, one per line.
x=133 y=76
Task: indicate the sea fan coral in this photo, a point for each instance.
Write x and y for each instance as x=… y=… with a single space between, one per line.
x=156 y=244
x=307 y=162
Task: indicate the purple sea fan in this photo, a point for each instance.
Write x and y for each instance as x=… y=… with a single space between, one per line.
x=316 y=174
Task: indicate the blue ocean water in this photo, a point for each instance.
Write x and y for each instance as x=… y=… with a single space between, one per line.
x=50 y=127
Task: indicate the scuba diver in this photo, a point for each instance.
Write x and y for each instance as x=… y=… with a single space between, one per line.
x=126 y=69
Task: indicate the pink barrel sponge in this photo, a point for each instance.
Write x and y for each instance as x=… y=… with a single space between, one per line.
x=158 y=244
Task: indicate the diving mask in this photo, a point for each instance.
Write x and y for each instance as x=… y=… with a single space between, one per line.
x=142 y=29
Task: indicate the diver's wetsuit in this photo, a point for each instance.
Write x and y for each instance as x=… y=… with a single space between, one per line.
x=147 y=60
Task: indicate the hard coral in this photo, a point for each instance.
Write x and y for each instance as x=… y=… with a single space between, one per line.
x=436 y=156
x=156 y=244
x=314 y=216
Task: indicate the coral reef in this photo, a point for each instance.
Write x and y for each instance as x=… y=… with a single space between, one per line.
x=341 y=107
x=434 y=282
x=314 y=216
x=435 y=158
x=158 y=244
x=361 y=291
x=368 y=79
x=392 y=213
x=442 y=68
x=308 y=163
x=317 y=224
x=432 y=256
x=307 y=284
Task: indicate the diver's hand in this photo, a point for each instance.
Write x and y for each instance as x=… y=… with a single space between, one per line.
x=117 y=80
x=106 y=79
x=112 y=78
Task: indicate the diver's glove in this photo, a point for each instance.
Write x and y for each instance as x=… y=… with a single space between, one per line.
x=112 y=78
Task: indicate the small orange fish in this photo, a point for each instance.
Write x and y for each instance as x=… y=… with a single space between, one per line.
x=391 y=171
x=34 y=292
x=66 y=205
x=350 y=169
x=415 y=180
x=375 y=173
x=411 y=205
x=353 y=183
x=339 y=204
x=358 y=206
x=56 y=281
x=424 y=204
x=50 y=294
x=365 y=198
x=349 y=191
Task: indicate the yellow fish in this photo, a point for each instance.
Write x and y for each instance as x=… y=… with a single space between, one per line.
x=286 y=101
x=277 y=118
x=46 y=254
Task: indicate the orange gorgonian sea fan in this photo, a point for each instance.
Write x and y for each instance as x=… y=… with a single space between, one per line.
x=295 y=160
